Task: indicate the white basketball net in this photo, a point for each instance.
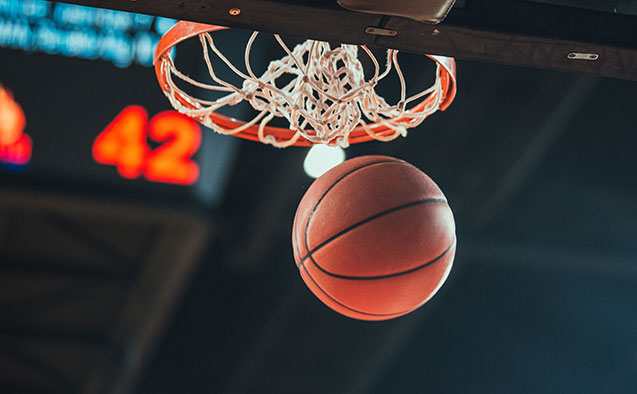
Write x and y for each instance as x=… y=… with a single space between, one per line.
x=327 y=97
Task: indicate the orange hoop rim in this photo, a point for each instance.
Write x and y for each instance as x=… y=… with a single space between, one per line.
x=184 y=30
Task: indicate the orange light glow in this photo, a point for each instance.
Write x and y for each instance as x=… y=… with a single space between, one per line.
x=12 y=120
x=19 y=152
x=123 y=144
x=15 y=146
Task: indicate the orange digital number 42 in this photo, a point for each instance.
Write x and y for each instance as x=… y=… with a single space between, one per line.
x=123 y=143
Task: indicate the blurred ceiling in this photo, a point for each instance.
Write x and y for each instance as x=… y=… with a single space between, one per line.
x=87 y=285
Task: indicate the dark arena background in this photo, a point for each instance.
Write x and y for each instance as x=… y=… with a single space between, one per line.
x=117 y=276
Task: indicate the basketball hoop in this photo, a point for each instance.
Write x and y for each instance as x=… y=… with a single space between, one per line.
x=328 y=100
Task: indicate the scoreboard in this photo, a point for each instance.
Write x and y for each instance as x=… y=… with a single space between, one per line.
x=92 y=117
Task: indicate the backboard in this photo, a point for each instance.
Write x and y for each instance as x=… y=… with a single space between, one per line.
x=587 y=36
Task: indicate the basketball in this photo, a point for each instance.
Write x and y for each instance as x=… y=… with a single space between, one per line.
x=374 y=238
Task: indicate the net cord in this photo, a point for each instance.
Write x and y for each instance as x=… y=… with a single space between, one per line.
x=327 y=97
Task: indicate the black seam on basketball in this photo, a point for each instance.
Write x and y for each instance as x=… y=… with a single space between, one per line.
x=309 y=218
x=369 y=219
x=388 y=315
x=339 y=276
x=296 y=241
x=358 y=224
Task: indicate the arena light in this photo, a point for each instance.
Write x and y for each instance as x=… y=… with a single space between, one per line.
x=321 y=158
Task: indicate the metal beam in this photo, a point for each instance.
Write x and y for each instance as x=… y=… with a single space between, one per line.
x=40 y=301
x=64 y=334
x=60 y=382
x=10 y=387
x=60 y=268
x=499 y=31
x=66 y=224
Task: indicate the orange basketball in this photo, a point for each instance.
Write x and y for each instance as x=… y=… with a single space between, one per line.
x=374 y=238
